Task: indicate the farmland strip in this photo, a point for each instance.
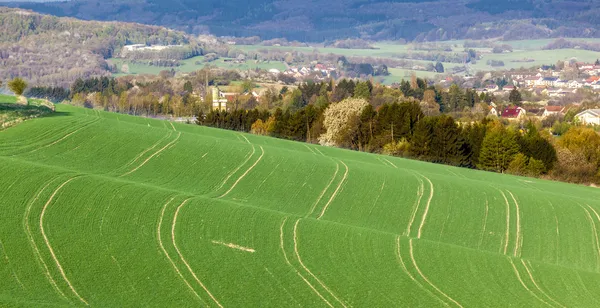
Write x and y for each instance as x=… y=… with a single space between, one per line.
x=336 y=191
x=519 y=242
x=245 y=173
x=167 y=136
x=162 y=247
x=306 y=268
x=34 y=245
x=507 y=222
x=290 y=264
x=405 y=269
x=337 y=168
x=181 y=255
x=420 y=192
x=151 y=156
x=537 y=286
x=426 y=207
x=523 y=283
x=410 y=241
x=62 y=272
x=64 y=137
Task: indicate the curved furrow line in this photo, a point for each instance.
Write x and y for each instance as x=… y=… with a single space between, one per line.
x=162 y=247
x=58 y=265
x=426 y=207
x=245 y=173
x=336 y=190
x=306 y=268
x=405 y=269
x=410 y=242
x=485 y=217
x=529 y=272
x=389 y=162
x=594 y=231
x=62 y=138
x=187 y=265
x=506 y=236
x=413 y=215
x=523 y=282
x=36 y=250
x=173 y=126
x=135 y=159
x=337 y=168
x=295 y=270
x=151 y=156
x=310 y=149
x=519 y=235
x=237 y=168
x=317 y=149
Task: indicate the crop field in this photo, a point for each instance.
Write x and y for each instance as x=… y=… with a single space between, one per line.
x=111 y=210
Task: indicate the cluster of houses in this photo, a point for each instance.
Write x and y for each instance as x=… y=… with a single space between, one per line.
x=318 y=72
x=586 y=117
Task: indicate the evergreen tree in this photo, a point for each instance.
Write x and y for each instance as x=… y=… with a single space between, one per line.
x=515 y=97
x=498 y=149
x=439 y=67
x=362 y=91
x=187 y=87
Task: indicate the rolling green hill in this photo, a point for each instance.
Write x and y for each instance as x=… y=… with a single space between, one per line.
x=113 y=210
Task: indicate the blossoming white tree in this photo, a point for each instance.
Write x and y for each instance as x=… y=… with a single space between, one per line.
x=341 y=121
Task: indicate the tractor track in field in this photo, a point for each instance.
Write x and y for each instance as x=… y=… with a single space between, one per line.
x=594 y=231
x=413 y=215
x=516 y=271
x=389 y=162
x=308 y=270
x=248 y=157
x=182 y=258
x=342 y=181
x=151 y=156
x=412 y=257
x=426 y=207
x=485 y=217
x=245 y=173
x=12 y=271
x=58 y=265
x=405 y=269
x=310 y=149
x=287 y=260
x=529 y=272
x=35 y=247
x=135 y=159
x=312 y=209
x=519 y=235
x=507 y=234
x=164 y=251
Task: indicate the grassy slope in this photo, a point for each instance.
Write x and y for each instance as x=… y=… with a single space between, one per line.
x=327 y=226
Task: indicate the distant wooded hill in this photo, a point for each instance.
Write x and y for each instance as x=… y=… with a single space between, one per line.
x=320 y=20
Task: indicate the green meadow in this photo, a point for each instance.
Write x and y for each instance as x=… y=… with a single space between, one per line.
x=110 y=210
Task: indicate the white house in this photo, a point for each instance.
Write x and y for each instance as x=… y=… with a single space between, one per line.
x=551 y=110
x=590 y=116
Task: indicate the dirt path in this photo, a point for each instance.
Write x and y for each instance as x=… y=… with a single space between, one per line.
x=337 y=168
x=36 y=250
x=519 y=239
x=336 y=190
x=306 y=268
x=405 y=269
x=529 y=272
x=410 y=241
x=187 y=265
x=245 y=173
x=287 y=260
x=162 y=247
x=58 y=265
x=523 y=283
x=151 y=156
x=426 y=207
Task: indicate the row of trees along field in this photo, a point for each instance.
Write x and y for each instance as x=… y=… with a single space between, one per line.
x=413 y=120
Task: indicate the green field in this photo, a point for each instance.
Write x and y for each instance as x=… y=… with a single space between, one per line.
x=112 y=210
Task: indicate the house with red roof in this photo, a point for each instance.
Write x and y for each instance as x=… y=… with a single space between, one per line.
x=552 y=110
x=513 y=113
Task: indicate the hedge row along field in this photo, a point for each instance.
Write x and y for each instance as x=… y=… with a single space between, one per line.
x=110 y=210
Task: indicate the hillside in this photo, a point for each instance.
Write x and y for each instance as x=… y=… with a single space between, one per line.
x=48 y=50
x=113 y=210
x=318 y=20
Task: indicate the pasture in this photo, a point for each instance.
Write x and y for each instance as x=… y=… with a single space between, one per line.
x=107 y=210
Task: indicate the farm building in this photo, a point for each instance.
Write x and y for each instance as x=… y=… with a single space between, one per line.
x=590 y=116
